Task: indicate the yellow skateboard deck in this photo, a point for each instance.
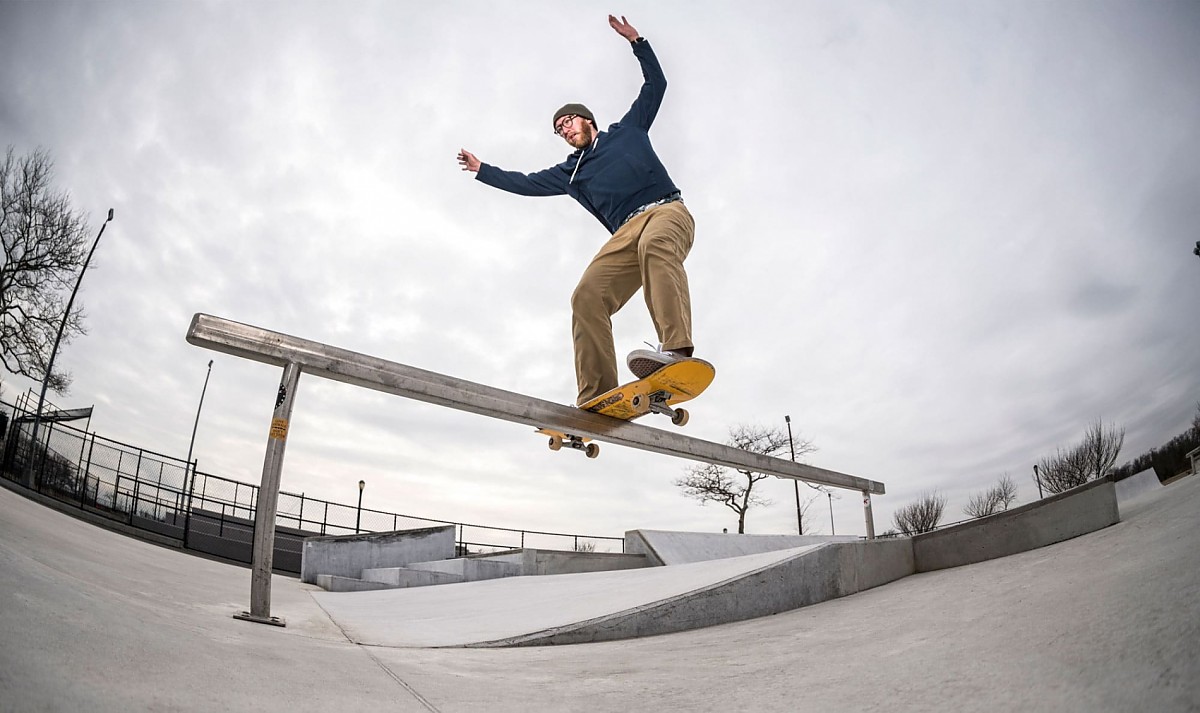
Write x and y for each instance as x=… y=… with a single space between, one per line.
x=673 y=384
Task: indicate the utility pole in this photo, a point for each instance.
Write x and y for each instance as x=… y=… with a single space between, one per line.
x=187 y=515
x=795 y=483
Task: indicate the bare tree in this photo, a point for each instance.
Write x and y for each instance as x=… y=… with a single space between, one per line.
x=44 y=245
x=1006 y=491
x=713 y=483
x=995 y=499
x=921 y=516
x=1089 y=460
x=1101 y=446
x=1062 y=471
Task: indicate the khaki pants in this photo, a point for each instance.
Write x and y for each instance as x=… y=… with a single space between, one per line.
x=647 y=252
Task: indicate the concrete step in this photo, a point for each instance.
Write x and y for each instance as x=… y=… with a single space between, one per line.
x=336 y=583
x=402 y=577
x=512 y=563
x=470 y=569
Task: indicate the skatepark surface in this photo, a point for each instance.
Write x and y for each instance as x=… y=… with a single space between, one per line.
x=1109 y=621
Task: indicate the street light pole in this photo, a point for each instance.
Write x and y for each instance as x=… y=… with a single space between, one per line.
x=37 y=416
x=795 y=483
x=358 y=518
x=196 y=425
x=187 y=515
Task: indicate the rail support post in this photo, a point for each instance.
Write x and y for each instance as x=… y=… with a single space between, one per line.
x=869 y=514
x=268 y=501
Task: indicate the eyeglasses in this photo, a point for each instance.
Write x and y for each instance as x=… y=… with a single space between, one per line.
x=562 y=123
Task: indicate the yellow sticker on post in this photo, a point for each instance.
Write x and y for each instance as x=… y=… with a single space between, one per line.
x=279 y=429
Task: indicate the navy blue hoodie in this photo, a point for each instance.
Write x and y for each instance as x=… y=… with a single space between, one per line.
x=618 y=172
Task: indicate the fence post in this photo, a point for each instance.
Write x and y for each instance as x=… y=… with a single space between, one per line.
x=187 y=512
x=43 y=456
x=87 y=469
x=268 y=501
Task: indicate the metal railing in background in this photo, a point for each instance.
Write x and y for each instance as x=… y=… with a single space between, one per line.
x=208 y=513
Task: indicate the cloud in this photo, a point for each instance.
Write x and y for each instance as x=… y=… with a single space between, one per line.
x=943 y=238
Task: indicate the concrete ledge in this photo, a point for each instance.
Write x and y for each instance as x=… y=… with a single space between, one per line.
x=349 y=555
x=1087 y=508
x=814 y=574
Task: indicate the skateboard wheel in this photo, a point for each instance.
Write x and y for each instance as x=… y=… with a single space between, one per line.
x=636 y=401
x=555 y=443
x=680 y=418
x=592 y=450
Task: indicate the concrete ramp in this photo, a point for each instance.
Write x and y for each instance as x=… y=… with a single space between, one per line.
x=1137 y=486
x=601 y=606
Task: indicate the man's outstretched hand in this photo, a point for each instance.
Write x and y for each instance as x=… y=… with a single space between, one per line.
x=467 y=160
x=623 y=28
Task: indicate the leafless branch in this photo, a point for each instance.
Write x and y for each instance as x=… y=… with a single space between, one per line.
x=44 y=247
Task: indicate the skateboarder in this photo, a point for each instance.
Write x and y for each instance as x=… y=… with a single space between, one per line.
x=618 y=178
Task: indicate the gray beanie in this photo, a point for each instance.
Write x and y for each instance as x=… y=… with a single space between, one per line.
x=579 y=109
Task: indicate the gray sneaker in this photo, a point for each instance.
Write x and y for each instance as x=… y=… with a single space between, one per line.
x=644 y=362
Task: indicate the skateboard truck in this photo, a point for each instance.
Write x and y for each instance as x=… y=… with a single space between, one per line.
x=558 y=440
x=657 y=403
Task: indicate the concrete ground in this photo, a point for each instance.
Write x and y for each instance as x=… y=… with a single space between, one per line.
x=92 y=620
x=494 y=609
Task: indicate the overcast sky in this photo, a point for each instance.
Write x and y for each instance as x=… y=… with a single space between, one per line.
x=942 y=236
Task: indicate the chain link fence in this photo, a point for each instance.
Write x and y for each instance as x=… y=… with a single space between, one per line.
x=208 y=513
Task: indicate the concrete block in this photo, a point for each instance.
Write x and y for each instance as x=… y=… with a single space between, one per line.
x=1078 y=511
x=349 y=555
